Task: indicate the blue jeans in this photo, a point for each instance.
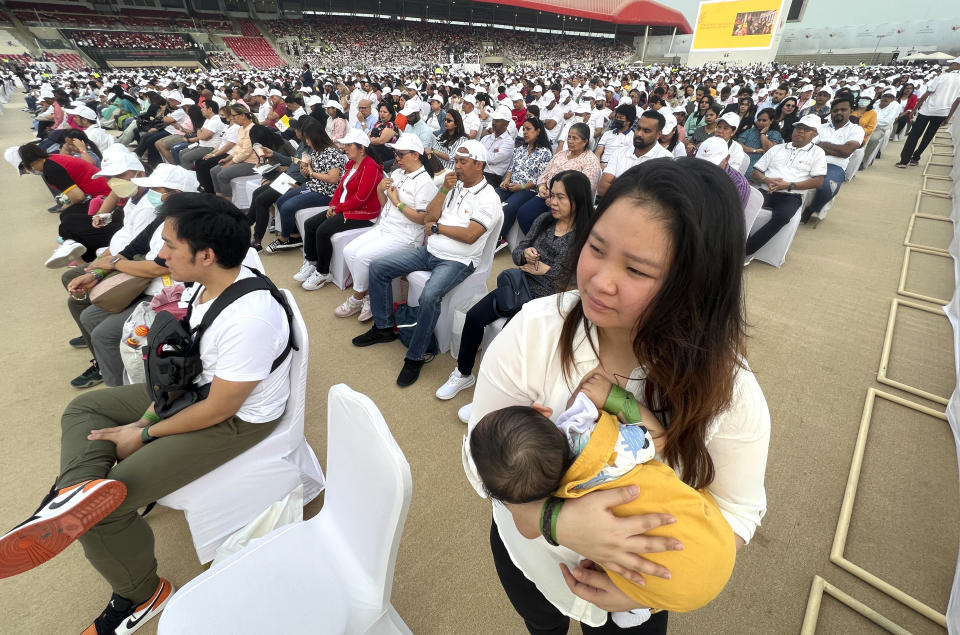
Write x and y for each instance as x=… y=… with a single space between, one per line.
x=528 y=212
x=176 y=150
x=444 y=276
x=513 y=200
x=826 y=192
x=292 y=202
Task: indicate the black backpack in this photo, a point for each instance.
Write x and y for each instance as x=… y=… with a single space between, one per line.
x=172 y=359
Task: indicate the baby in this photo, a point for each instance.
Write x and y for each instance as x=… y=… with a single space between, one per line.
x=521 y=456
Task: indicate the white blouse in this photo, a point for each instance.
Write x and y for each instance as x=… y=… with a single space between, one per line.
x=523 y=366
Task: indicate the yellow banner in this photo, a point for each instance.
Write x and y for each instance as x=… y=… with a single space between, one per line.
x=740 y=24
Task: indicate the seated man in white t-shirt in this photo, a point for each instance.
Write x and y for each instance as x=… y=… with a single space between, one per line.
x=646 y=146
x=460 y=219
x=111 y=468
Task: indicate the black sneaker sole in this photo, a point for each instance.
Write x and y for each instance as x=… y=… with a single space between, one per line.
x=89 y=383
x=78 y=342
x=380 y=340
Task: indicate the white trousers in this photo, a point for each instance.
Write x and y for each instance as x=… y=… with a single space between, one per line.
x=360 y=252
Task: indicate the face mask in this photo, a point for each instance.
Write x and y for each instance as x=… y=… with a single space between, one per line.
x=155 y=198
x=863 y=103
x=123 y=188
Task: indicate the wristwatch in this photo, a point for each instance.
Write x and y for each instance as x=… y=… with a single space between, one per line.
x=792 y=185
x=435 y=228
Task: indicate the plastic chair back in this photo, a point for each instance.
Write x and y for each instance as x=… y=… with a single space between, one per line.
x=368 y=486
x=754 y=203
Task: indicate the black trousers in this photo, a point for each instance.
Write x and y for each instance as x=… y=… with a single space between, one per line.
x=203 y=167
x=478 y=317
x=783 y=205
x=317 y=234
x=924 y=126
x=76 y=224
x=259 y=212
x=542 y=617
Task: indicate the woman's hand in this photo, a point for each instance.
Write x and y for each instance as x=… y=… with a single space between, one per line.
x=224 y=160
x=514 y=187
x=590 y=582
x=331 y=212
x=394 y=195
x=535 y=268
x=530 y=254
x=126 y=438
x=305 y=169
x=82 y=284
x=266 y=152
x=586 y=525
x=384 y=184
x=543 y=192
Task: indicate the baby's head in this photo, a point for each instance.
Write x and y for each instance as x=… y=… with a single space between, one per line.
x=521 y=456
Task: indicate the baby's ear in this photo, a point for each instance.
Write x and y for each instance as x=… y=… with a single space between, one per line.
x=542 y=409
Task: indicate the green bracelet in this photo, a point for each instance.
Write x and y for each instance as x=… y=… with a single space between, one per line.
x=444 y=191
x=554 y=515
x=145 y=437
x=151 y=417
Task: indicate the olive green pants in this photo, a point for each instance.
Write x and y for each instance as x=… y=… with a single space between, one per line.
x=120 y=546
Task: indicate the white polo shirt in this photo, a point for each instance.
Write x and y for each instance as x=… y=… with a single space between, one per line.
x=216 y=127
x=784 y=161
x=626 y=160
x=472 y=123
x=614 y=143
x=178 y=116
x=839 y=136
x=945 y=89
x=415 y=190
x=736 y=155
x=461 y=206
x=499 y=152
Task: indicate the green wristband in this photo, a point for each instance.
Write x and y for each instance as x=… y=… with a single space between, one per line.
x=554 y=515
x=145 y=437
x=444 y=191
x=151 y=417
x=622 y=400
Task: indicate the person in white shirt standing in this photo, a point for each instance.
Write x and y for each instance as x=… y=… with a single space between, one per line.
x=934 y=109
x=839 y=138
x=461 y=219
x=783 y=172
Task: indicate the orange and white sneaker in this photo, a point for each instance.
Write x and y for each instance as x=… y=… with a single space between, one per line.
x=63 y=516
x=121 y=617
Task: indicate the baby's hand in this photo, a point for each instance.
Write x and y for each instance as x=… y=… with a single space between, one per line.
x=597 y=388
x=657 y=432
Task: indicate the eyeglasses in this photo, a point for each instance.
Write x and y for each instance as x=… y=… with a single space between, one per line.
x=400 y=153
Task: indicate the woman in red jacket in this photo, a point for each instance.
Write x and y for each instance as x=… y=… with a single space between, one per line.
x=354 y=205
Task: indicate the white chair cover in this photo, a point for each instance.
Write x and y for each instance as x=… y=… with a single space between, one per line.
x=514 y=236
x=475 y=284
x=338 y=266
x=775 y=251
x=222 y=501
x=330 y=574
x=744 y=164
x=754 y=203
x=242 y=189
x=306 y=213
x=854 y=165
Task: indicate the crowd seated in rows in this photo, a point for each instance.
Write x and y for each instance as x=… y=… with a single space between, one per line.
x=130 y=40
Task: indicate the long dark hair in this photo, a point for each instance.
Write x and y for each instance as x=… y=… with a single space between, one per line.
x=82 y=136
x=196 y=117
x=690 y=338
x=542 y=141
x=580 y=193
x=316 y=134
x=447 y=137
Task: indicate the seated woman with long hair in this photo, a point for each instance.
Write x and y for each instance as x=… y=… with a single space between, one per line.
x=529 y=161
x=761 y=137
x=403 y=195
x=541 y=257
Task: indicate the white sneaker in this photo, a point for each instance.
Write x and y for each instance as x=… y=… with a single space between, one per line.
x=366 y=313
x=350 y=306
x=464 y=413
x=455 y=384
x=316 y=281
x=63 y=255
x=306 y=270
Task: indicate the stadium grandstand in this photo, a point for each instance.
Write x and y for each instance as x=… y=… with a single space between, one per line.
x=526 y=251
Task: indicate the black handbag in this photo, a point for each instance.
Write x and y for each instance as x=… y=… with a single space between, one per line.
x=511 y=293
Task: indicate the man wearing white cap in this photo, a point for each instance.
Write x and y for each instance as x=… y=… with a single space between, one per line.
x=783 y=172
x=499 y=145
x=806 y=94
x=102 y=329
x=716 y=151
x=934 y=109
x=471 y=122
x=820 y=106
x=461 y=218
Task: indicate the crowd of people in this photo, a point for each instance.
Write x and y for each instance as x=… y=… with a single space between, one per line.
x=600 y=183
x=131 y=40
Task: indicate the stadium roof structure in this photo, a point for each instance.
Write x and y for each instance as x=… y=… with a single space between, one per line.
x=623 y=12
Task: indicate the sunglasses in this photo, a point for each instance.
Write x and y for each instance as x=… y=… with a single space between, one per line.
x=400 y=153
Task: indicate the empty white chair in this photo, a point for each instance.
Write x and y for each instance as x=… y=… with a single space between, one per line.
x=475 y=284
x=222 y=501
x=854 y=165
x=330 y=574
x=242 y=189
x=775 y=251
x=754 y=203
x=514 y=236
x=338 y=266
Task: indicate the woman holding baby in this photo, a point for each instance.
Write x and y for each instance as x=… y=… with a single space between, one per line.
x=657 y=310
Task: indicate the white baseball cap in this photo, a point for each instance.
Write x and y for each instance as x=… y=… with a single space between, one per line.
x=332 y=103
x=275 y=93
x=12 y=156
x=411 y=107
x=732 y=119
x=669 y=123
x=259 y=93
x=806 y=88
x=118 y=159
x=470 y=99
x=186 y=102
x=714 y=150
x=809 y=121
x=407 y=141
x=82 y=111
x=472 y=149
x=171 y=177
x=582 y=109
x=436 y=97
x=502 y=114
x=175 y=96
x=355 y=135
